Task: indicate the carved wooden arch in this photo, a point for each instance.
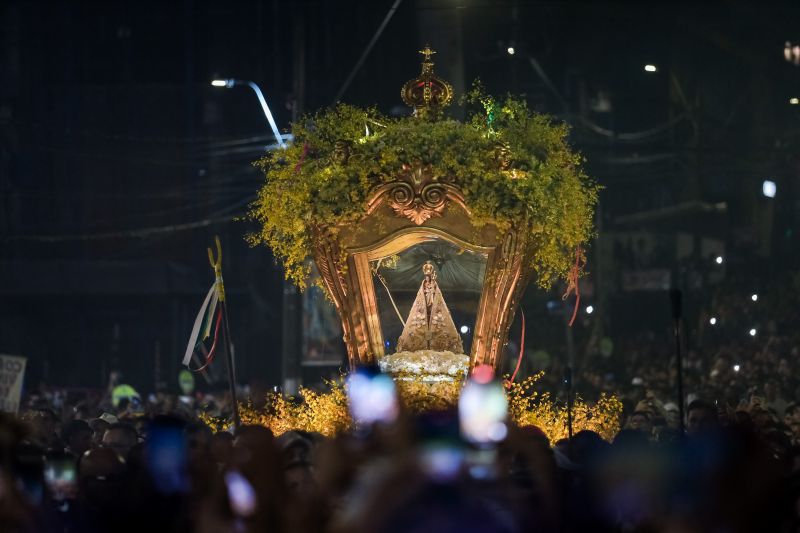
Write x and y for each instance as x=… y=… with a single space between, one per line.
x=415 y=207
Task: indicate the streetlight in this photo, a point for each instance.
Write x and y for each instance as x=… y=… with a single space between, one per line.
x=769 y=188
x=650 y=68
x=229 y=83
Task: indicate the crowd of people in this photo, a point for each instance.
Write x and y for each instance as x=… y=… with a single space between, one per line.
x=731 y=464
x=164 y=470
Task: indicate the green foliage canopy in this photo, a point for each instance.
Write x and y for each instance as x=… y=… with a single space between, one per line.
x=542 y=185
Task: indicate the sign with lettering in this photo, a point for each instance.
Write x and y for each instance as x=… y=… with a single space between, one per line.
x=12 y=374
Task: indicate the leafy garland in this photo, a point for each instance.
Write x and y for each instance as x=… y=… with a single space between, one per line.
x=327 y=413
x=512 y=165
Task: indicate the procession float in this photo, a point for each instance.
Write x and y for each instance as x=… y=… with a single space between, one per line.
x=426 y=231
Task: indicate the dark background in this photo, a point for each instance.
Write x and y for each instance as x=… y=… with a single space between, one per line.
x=119 y=162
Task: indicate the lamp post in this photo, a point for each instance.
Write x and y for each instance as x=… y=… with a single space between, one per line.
x=229 y=83
x=291 y=304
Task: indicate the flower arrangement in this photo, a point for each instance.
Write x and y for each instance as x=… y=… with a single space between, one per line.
x=426 y=364
x=326 y=412
x=512 y=165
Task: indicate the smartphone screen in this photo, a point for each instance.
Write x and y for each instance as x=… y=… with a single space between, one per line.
x=372 y=397
x=61 y=478
x=241 y=495
x=482 y=412
x=441 y=452
x=166 y=456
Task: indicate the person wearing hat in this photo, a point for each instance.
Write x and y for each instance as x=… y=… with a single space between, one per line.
x=672 y=415
x=99 y=426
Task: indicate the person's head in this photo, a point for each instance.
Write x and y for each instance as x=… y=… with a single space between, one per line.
x=295 y=448
x=198 y=440
x=640 y=421
x=99 y=474
x=791 y=417
x=99 y=427
x=700 y=416
x=43 y=424
x=120 y=437
x=77 y=437
x=770 y=391
x=672 y=415
x=222 y=448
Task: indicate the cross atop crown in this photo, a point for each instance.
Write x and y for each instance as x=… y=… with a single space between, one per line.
x=427 y=53
x=427 y=93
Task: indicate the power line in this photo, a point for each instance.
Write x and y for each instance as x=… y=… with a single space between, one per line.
x=135 y=233
x=367 y=50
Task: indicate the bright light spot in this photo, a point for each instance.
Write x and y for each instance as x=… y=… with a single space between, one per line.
x=497 y=432
x=650 y=68
x=752 y=332
x=754 y=297
x=794 y=100
x=219 y=83
x=736 y=368
x=483 y=374
x=718 y=259
x=511 y=51
x=589 y=309
x=768 y=188
x=465 y=329
x=713 y=321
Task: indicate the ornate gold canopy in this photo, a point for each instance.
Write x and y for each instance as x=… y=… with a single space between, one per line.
x=419 y=206
x=489 y=201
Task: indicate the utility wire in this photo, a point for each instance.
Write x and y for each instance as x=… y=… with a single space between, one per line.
x=367 y=50
x=632 y=136
x=136 y=233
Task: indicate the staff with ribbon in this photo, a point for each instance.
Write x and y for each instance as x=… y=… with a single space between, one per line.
x=214 y=311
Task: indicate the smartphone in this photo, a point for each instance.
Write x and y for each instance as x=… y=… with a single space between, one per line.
x=482 y=412
x=60 y=477
x=441 y=453
x=241 y=495
x=28 y=469
x=372 y=397
x=166 y=454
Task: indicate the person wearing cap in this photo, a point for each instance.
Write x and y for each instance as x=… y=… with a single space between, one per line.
x=120 y=437
x=672 y=415
x=99 y=426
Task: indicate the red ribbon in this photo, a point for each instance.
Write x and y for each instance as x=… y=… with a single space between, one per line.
x=521 y=349
x=572 y=282
x=299 y=166
x=212 y=352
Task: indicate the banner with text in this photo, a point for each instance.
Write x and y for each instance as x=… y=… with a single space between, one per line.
x=12 y=374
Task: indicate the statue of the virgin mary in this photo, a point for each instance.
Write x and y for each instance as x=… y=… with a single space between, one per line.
x=429 y=325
